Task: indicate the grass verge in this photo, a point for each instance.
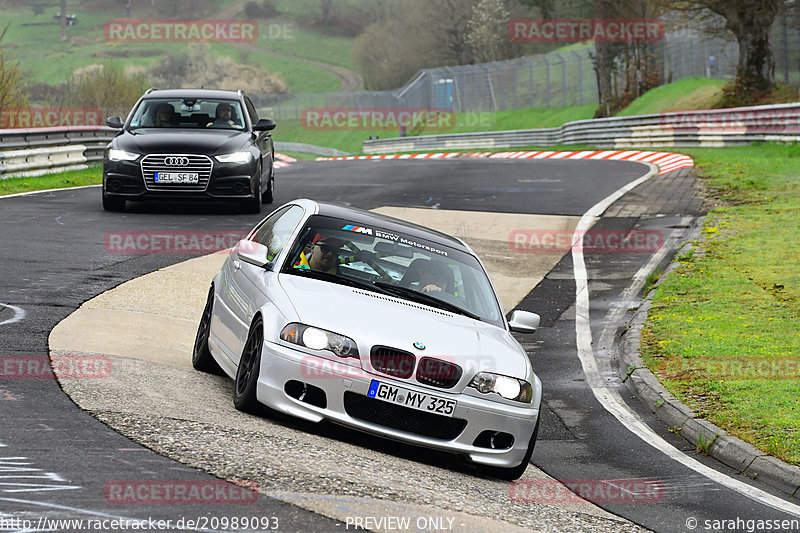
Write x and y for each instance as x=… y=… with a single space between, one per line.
x=685 y=94
x=722 y=333
x=73 y=178
x=350 y=140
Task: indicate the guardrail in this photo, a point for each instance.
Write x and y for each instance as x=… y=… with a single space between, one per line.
x=33 y=152
x=37 y=151
x=713 y=128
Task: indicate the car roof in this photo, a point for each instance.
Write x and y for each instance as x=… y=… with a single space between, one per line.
x=368 y=218
x=193 y=93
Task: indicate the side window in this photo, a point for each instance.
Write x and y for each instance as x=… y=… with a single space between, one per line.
x=276 y=230
x=251 y=110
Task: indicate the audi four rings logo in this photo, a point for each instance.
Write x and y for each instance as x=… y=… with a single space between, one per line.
x=176 y=161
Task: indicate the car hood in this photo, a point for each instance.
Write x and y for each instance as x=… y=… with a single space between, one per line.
x=375 y=319
x=211 y=142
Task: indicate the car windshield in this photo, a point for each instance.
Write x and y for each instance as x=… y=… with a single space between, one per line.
x=394 y=263
x=191 y=113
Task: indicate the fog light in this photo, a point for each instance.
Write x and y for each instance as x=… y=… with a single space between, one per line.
x=114 y=185
x=238 y=187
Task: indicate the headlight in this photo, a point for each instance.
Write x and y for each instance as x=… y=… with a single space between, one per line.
x=509 y=388
x=121 y=155
x=236 y=157
x=319 y=339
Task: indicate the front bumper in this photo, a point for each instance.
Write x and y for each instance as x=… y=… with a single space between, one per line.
x=123 y=179
x=346 y=402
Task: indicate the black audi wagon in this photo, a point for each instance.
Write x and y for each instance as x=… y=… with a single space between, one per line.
x=188 y=144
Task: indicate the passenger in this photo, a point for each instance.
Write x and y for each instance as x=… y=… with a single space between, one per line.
x=164 y=116
x=323 y=256
x=223 y=116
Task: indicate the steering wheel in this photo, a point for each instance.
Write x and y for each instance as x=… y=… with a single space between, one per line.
x=369 y=258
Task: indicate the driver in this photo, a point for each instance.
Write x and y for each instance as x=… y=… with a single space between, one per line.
x=433 y=277
x=222 y=116
x=323 y=256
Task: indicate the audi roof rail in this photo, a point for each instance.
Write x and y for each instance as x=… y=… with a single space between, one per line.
x=151 y=89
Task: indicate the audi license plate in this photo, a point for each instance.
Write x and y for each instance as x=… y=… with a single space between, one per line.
x=177 y=177
x=408 y=398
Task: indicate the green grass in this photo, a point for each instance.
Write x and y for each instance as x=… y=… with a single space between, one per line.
x=86 y=45
x=689 y=93
x=350 y=141
x=286 y=37
x=738 y=304
x=301 y=76
x=73 y=178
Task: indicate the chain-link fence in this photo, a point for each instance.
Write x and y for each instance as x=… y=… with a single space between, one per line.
x=558 y=79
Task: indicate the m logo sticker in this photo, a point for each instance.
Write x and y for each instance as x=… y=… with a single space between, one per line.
x=358 y=229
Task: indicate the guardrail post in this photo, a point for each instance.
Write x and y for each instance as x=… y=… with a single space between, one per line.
x=547 y=79
x=533 y=90
x=563 y=78
x=580 y=76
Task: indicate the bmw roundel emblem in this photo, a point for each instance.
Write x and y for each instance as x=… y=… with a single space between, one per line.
x=419 y=346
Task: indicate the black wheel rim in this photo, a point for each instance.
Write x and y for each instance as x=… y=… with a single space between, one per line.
x=249 y=357
x=204 y=327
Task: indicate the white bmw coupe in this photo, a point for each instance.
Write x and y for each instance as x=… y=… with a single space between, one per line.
x=330 y=312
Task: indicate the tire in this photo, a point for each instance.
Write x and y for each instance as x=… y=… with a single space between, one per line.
x=113 y=204
x=269 y=194
x=244 y=387
x=202 y=359
x=510 y=474
x=253 y=205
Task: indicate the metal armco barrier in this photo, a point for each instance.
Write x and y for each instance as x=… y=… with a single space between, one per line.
x=712 y=128
x=33 y=152
x=38 y=151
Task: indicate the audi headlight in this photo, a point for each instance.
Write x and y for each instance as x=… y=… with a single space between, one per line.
x=319 y=339
x=121 y=155
x=235 y=157
x=509 y=388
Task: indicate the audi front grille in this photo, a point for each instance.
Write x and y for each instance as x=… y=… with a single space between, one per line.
x=192 y=163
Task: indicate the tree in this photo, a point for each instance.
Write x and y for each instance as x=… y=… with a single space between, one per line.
x=63 y=20
x=419 y=34
x=487 y=31
x=635 y=57
x=749 y=21
x=12 y=89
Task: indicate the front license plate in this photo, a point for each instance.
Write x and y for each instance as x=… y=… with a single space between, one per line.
x=408 y=398
x=177 y=177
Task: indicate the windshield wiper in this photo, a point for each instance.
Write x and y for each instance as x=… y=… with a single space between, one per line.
x=335 y=278
x=421 y=297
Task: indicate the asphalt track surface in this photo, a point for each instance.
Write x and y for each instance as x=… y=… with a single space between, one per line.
x=55 y=459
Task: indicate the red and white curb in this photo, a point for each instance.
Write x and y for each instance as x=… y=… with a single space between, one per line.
x=282 y=160
x=665 y=161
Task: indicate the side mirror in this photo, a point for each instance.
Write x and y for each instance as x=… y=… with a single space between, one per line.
x=264 y=124
x=114 y=122
x=523 y=321
x=254 y=253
